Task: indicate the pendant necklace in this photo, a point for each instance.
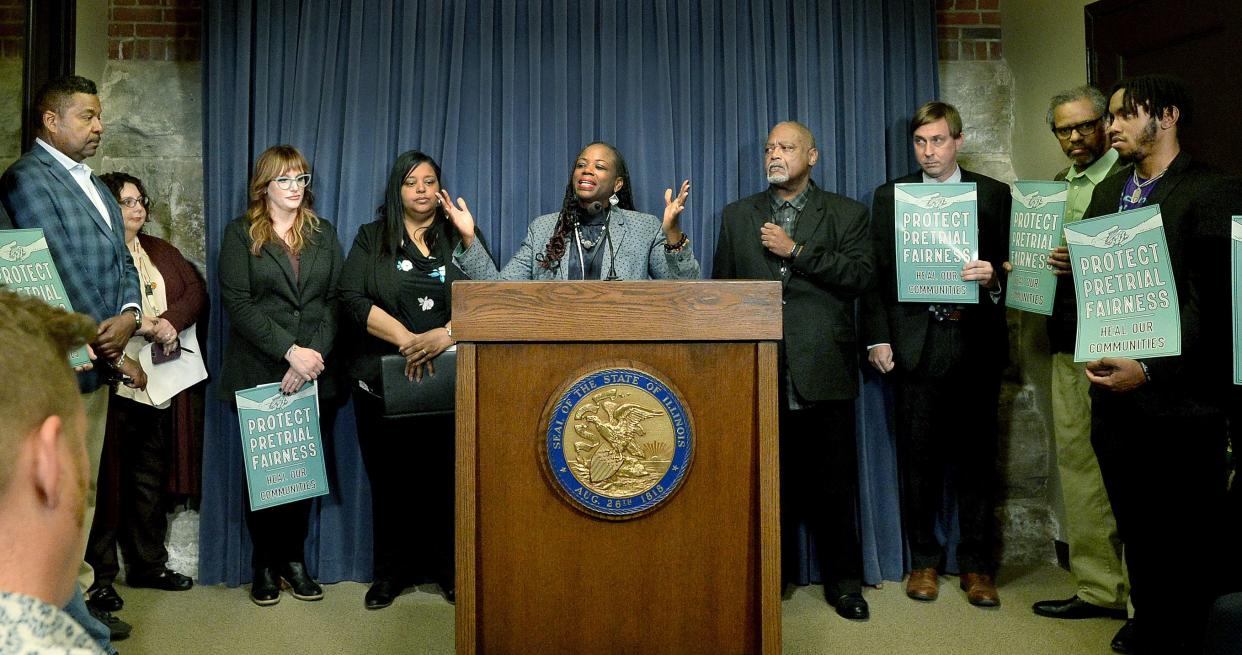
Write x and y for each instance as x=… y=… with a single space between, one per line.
x=1136 y=196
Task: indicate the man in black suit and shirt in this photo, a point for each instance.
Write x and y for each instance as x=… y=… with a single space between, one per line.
x=815 y=243
x=1158 y=426
x=945 y=362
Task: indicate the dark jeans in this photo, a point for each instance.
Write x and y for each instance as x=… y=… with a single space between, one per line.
x=141 y=433
x=1165 y=477
x=410 y=464
x=819 y=483
x=946 y=431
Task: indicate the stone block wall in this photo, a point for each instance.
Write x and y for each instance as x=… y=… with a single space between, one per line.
x=151 y=92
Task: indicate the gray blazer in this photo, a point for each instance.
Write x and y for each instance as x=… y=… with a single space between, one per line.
x=637 y=238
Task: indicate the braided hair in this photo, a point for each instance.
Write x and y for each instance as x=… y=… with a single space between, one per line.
x=572 y=212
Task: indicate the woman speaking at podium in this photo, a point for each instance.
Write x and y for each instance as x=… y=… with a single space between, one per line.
x=596 y=235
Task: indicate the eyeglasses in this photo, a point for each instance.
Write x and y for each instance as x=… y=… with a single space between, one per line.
x=285 y=183
x=1084 y=128
x=130 y=202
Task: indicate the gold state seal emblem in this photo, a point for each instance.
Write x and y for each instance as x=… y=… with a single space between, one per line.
x=618 y=441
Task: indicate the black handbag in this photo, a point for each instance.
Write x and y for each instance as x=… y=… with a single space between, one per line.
x=434 y=394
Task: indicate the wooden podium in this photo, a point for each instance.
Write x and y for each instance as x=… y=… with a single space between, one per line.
x=700 y=572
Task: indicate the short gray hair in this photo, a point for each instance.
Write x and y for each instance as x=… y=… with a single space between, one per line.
x=1085 y=92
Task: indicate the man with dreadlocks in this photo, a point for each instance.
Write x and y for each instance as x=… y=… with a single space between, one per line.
x=597 y=235
x=1158 y=426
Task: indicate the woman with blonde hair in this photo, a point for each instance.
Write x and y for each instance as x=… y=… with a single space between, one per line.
x=278 y=266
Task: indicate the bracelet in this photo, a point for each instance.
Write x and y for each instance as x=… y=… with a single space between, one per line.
x=448 y=329
x=681 y=243
x=291 y=349
x=793 y=251
x=1146 y=372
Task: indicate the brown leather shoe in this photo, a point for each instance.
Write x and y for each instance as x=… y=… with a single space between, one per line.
x=923 y=584
x=980 y=590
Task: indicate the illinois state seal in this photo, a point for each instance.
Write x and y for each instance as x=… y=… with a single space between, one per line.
x=619 y=442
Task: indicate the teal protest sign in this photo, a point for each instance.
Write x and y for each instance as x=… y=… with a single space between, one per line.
x=281 y=444
x=936 y=233
x=1035 y=219
x=26 y=266
x=1123 y=280
x=1237 y=299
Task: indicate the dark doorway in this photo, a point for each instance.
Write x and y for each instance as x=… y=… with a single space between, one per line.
x=1197 y=40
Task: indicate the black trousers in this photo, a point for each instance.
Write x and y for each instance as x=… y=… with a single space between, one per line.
x=279 y=533
x=946 y=433
x=410 y=464
x=819 y=483
x=142 y=433
x=1166 y=481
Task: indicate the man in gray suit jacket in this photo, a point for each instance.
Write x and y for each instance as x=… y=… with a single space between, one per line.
x=50 y=188
x=816 y=244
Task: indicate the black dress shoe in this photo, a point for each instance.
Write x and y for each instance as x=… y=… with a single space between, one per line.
x=300 y=584
x=1123 y=641
x=1075 y=608
x=165 y=579
x=851 y=606
x=105 y=599
x=117 y=629
x=266 y=588
x=381 y=594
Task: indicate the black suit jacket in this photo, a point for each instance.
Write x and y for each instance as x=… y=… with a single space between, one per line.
x=6 y=223
x=268 y=311
x=818 y=287
x=1196 y=203
x=903 y=325
x=369 y=281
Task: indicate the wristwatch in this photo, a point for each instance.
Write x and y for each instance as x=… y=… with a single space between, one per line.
x=137 y=316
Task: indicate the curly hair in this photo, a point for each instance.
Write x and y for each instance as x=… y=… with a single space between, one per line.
x=571 y=211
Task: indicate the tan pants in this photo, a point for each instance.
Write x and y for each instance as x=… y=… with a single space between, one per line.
x=96 y=403
x=1095 y=549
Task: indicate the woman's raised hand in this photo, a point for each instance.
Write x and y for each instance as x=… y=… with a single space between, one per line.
x=672 y=209
x=460 y=215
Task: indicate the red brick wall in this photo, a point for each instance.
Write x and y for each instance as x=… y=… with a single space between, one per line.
x=12 y=28
x=155 y=30
x=968 y=30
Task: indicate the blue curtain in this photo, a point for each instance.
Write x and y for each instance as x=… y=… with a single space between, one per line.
x=504 y=94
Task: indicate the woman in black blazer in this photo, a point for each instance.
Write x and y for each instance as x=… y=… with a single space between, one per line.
x=396 y=287
x=279 y=265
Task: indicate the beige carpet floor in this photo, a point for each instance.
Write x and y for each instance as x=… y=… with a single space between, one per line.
x=211 y=620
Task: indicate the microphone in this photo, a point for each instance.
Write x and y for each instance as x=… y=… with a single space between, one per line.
x=595 y=208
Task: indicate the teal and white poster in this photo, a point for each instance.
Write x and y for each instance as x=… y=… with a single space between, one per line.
x=1123 y=280
x=936 y=231
x=26 y=266
x=1036 y=215
x=281 y=444
x=1237 y=299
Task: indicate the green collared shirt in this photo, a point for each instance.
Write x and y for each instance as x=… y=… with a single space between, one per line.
x=1082 y=184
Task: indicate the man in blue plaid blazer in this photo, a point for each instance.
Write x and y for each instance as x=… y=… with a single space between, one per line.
x=50 y=188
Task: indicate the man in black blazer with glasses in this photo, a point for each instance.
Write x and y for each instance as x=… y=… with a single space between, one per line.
x=816 y=244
